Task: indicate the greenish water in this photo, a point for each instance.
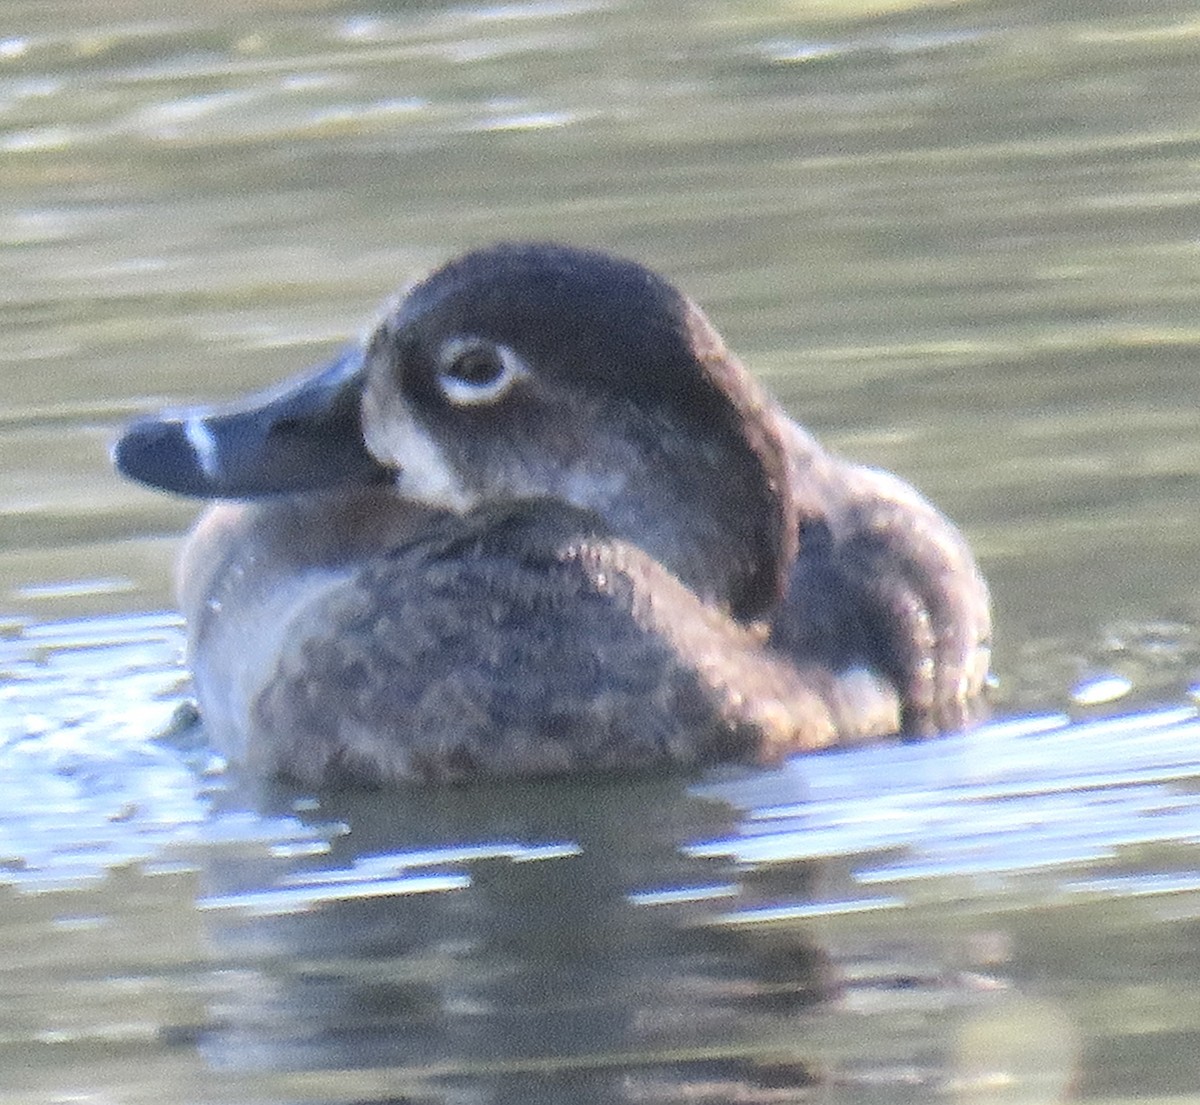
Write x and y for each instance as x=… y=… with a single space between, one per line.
x=961 y=241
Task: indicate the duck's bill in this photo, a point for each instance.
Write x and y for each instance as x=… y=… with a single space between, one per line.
x=304 y=436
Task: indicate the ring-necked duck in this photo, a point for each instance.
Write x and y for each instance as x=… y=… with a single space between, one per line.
x=541 y=521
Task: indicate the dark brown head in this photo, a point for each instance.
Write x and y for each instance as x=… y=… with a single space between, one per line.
x=523 y=371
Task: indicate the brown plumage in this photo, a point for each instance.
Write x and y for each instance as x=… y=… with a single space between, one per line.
x=542 y=521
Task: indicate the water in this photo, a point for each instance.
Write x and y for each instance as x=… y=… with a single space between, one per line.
x=959 y=241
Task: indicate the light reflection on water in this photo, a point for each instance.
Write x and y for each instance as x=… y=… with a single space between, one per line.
x=958 y=240
x=632 y=940
x=1008 y=798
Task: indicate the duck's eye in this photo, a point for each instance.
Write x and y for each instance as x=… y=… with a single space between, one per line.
x=474 y=371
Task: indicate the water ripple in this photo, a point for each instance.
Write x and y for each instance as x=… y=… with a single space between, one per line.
x=1034 y=796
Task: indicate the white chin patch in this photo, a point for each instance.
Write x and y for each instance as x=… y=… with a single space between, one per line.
x=422 y=471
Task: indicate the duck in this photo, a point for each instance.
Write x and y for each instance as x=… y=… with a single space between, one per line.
x=540 y=521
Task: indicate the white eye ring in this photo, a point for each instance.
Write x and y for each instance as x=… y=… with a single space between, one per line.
x=473 y=371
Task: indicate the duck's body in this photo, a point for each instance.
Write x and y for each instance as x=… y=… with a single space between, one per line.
x=542 y=521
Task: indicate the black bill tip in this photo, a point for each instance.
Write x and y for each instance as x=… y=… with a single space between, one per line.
x=163 y=453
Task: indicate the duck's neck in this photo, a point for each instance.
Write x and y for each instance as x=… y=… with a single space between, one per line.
x=703 y=510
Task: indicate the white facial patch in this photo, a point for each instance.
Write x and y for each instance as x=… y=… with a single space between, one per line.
x=423 y=472
x=204 y=445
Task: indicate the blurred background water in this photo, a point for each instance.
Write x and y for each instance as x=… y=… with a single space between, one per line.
x=960 y=240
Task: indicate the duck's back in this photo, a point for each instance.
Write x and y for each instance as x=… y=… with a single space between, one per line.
x=521 y=640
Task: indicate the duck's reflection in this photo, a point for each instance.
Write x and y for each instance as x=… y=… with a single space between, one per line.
x=546 y=975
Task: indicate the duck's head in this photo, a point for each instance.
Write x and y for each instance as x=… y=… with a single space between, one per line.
x=521 y=371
